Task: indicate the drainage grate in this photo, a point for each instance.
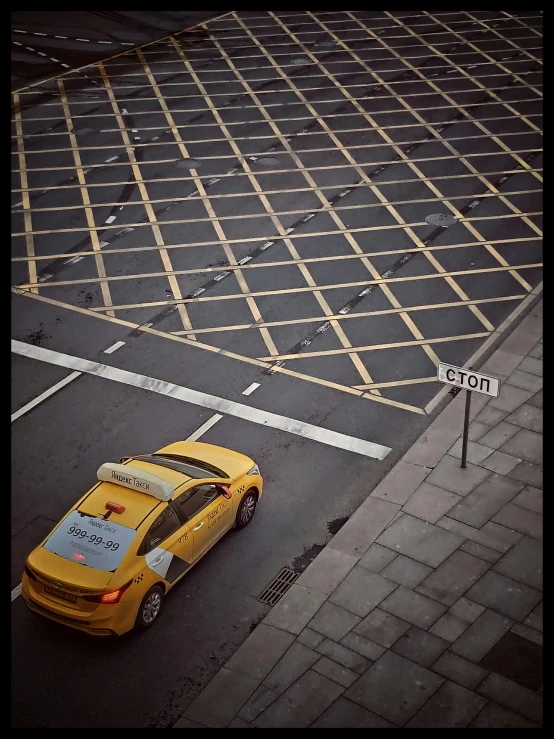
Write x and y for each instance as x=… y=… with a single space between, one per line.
x=278 y=586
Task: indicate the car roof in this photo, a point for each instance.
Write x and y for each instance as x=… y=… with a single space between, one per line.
x=138 y=505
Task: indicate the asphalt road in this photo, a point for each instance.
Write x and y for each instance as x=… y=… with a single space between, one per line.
x=153 y=263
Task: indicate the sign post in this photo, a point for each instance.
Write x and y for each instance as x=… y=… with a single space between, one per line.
x=468 y=381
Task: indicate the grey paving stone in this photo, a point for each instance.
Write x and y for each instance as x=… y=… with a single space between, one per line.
x=260 y=652
x=338 y=673
x=524 y=563
x=345 y=714
x=489 y=555
x=532 y=365
x=401 y=482
x=430 y=502
x=534 y=620
x=502 y=362
x=537 y=400
x=510 y=398
x=538 y=609
x=327 y=570
x=455 y=575
x=528 y=417
x=500 y=462
x=526 y=445
x=450 y=476
x=239 y=723
x=494 y=716
x=221 y=699
x=520 y=519
x=511 y=695
x=476 y=430
x=499 y=434
x=184 y=723
x=258 y=702
x=459 y=670
x=511 y=598
x=457 y=619
x=406 y=571
x=333 y=621
x=490 y=416
x=476 y=452
x=524 y=337
x=537 y=351
x=413 y=607
x=296 y=660
x=420 y=646
x=337 y=652
x=301 y=704
x=422 y=541
x=361 y=530
x=365 y=647
x=376 y=558
x=490 y=535
x=395 y=688
x=296 y=609
x=528 y=633
x=309 y=638
x=481 y=636
x=382 y=627
x=451 y=707
x=528 y=473
x=432 y=444
x=525 y=380
x=530 y=498
x=486 y=500
x=360 y=591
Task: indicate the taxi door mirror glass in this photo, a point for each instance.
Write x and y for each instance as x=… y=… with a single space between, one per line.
x=225 y=492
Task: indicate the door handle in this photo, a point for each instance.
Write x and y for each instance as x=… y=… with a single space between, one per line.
x=157 y=560
x=199 y=526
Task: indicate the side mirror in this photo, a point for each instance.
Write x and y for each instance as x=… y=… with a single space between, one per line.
x=226 y=492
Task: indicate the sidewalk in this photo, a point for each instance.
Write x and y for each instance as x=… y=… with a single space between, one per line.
x=425 y=610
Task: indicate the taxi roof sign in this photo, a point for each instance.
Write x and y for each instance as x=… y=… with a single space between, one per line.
x=143 y=482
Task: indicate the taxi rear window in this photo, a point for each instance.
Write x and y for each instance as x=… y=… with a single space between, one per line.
x=90 y=541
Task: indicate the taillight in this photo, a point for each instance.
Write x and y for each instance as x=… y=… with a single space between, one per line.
x=113 y=596
x=30 y=572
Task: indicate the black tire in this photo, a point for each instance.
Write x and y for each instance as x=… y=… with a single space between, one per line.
x=246 y=509
x=150 y=607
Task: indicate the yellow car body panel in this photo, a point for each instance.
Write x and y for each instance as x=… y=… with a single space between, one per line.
x=62 y=589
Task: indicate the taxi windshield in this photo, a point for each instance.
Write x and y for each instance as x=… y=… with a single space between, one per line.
x=93 y=542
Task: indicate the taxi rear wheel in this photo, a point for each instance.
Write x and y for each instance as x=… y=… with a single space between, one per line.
x=150 y=607
x=246 y=509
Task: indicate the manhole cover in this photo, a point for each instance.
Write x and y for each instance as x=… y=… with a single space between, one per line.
x=516 y=658
x=268 y=161
x=441 y=219
x=299 y=60
x=84 y=129
x=278 y=586
x=188 y=164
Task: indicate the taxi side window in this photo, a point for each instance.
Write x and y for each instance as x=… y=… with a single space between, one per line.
x=192 y=501
x=165 y=525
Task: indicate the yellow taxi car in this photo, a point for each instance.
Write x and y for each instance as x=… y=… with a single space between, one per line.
x=109 y=563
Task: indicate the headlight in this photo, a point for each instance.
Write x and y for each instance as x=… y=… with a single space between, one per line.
x=254 y=471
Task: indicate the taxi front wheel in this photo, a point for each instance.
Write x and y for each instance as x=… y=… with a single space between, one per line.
x=150 y=607
x=246 y=509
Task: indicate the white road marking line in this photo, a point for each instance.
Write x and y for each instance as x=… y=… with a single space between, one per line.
x=205 y=400
x=114 y=347
x=46 y=394
x=250 y=389
x=205 y=427
x=111 y=219
x=16 y=592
